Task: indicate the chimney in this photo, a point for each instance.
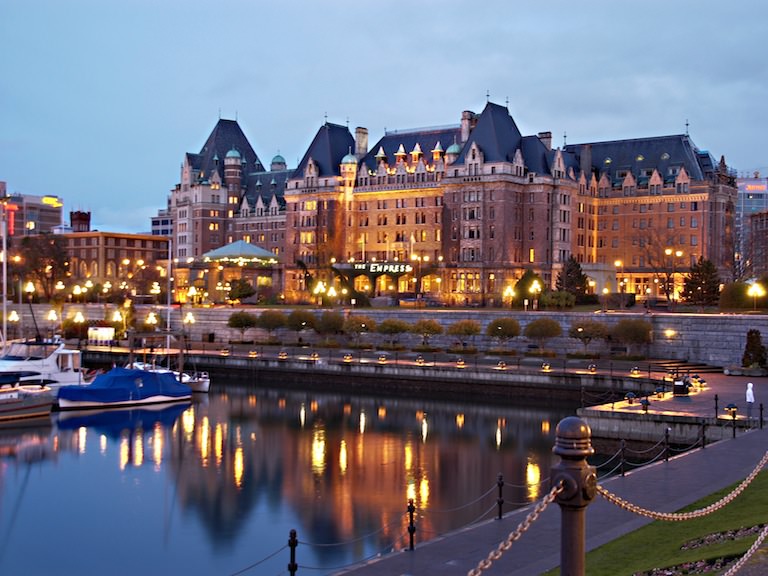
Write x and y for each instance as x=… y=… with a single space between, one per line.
x=361 y=142
x=546 y=139
x=468 y=122
x=585 y=151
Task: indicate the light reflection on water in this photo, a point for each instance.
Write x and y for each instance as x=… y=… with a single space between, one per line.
x=214 y=487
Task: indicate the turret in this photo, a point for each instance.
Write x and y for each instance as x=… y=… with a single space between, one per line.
x=233 y=170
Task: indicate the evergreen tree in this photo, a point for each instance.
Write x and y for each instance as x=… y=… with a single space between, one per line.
x=240 y=289
x=754 y=351
x=572 y=279
x=702 y=285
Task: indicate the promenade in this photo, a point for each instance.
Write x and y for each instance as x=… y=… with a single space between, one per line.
x=662 y=486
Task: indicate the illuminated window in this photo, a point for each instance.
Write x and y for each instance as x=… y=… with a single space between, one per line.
x=531 y=255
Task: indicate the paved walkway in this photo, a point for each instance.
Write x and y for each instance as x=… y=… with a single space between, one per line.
x=663 y=486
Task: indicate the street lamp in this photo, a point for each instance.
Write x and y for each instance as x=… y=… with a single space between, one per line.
x=79 y=320
x=117 y=317
x=756 y=291
x=620 y=279
x=52 y=318
x=672 y=254
x=13 y=318
x=189 y=320
x=535 y=290
x=509 y=294
x=732 y=409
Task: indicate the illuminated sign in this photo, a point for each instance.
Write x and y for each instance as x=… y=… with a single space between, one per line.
x=382 y=267
x=53 y=201
x=755 y=187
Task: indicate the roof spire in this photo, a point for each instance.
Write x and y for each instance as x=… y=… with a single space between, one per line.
x=325 y=118
x=507 y=102
x=565 y=137
x=487 y=96
x=686 y=126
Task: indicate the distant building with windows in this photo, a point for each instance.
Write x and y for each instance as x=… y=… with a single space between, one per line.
x=29 y=214
x=751 y=214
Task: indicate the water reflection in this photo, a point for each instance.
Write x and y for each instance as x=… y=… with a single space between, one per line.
x=241 y=469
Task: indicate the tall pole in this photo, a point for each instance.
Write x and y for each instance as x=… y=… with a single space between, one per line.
x=168 y=305
x=4 y=232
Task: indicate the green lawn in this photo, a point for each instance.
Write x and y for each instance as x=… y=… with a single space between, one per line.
x=658 y=544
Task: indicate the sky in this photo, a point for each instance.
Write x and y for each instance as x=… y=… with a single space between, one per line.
x=101 y=99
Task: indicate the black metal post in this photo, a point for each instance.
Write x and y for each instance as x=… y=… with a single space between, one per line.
x=411 y=526
x=716 y=402
x=733 y=414
x=666 y=445
x=292 y=543
x=579 y=482
x=500 y=499
x=623 y=452
x=761 y=415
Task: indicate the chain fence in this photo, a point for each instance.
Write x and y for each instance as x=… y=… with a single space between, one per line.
x=521 y=529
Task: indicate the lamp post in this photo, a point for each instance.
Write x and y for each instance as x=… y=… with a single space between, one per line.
x=52 y=318
x=535 y=291
x=13 y=318
x=605 y=299
x=509 y=294
x=79 y=320
x=756 y=291
x=189 y=321
x=620 y=281
x=673 y=255
x=117 y=318
x=732 y=409
x=29 y=288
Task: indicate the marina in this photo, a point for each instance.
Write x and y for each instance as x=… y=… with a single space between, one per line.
x=216 y=485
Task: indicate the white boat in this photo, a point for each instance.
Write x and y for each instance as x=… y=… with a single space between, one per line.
x=20 y=402
x=197 y=381
x=42 y=362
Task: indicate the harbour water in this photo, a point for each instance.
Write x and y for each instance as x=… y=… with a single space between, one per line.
x=215 y=487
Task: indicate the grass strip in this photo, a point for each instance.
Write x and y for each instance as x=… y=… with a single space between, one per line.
x=659 y=544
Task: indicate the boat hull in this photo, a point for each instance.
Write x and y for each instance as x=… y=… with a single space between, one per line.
x=67 y=404
x=19 y=403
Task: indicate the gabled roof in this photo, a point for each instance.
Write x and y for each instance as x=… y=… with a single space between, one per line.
x=267 y=184
x=659 y=152
x=239 y=251
x=496 y=134
x=427 y=138
x=331 y=143
x=225 y=137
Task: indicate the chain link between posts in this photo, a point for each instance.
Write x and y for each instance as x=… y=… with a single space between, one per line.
x=681 y=516
x=517 y=532
x=743 y=560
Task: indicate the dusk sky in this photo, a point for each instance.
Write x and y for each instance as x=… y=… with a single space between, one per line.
x=101 y=99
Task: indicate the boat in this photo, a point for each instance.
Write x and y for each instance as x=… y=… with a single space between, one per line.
x=122 y=387
x=46 y=362
x=24 y=402
x=197 y=381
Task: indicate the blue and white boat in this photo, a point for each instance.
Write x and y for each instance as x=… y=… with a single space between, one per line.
x=124 y=387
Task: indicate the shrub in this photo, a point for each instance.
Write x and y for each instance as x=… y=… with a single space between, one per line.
x=542 y=329
x=754 y=351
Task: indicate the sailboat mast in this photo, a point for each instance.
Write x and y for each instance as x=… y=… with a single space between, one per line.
x=168 y=301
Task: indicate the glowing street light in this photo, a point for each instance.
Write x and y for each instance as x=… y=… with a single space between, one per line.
x=756 y=291
x=535 y=291
x=677 y=254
